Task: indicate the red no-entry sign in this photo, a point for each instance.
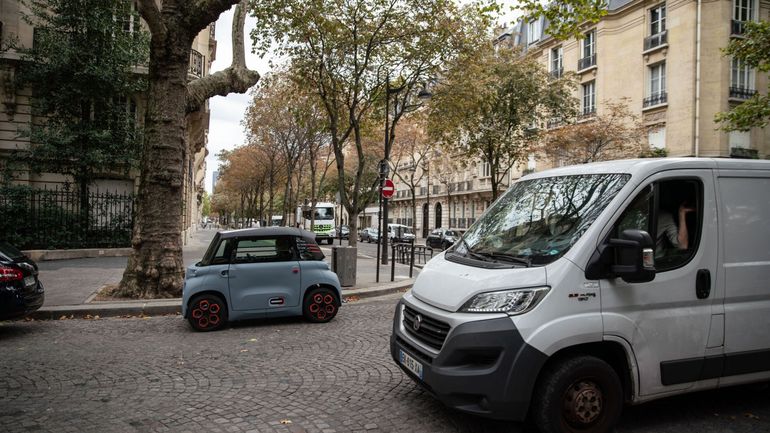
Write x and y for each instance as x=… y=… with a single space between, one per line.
x=388 y=188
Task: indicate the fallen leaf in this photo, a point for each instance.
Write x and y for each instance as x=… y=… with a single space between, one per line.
x=244 y=350
x=253 y=339
x=750 y=415
x=285 y=421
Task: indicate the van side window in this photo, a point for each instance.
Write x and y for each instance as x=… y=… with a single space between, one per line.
x=670 y=211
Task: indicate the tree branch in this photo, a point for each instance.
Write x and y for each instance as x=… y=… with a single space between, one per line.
x=151 y=15
x=235 y=79
x=205 y=12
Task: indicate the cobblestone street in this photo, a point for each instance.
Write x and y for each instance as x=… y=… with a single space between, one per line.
x=155 y=374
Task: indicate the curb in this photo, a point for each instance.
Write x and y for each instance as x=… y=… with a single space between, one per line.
x=157 y=307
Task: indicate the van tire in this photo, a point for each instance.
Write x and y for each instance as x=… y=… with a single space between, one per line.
x=320 y=305
x=208 y=312
x=581 y=394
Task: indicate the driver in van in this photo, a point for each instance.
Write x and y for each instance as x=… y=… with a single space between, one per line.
x=671 y=234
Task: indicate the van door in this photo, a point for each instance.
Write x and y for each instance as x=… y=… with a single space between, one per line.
x=668 y=321
x=744 y=206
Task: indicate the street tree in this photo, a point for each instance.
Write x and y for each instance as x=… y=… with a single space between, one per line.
x=411 y=150
x=617 y=133
x=488 y=104
x=753 y=50
x=347 y=52
x=83 y=89
x=155 y=267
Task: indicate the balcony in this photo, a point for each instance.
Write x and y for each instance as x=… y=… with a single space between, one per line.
x=196 y=64
x=554 y=123
x=587 y=62
x=737 y=28
x=659 y=98
x=557 y=73
x=741 y=93
x=588 y=113
x=656 y=40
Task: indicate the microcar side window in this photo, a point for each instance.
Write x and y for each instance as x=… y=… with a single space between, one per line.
x=221 y=255
x=260 y=250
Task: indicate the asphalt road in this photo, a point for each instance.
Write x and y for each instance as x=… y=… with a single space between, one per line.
x=155 y=374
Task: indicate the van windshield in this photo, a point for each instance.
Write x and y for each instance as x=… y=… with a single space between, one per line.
x=537 y=221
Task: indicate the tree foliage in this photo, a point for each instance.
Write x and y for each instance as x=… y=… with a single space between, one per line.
x=754 y=51
x=80 y=70
x=487 y=105
x=565 y=18
x=616 y=134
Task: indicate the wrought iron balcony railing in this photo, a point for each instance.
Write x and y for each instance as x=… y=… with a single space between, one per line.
x=741 y=92
x=655 y=99
x=587 y=62
x=656 y=40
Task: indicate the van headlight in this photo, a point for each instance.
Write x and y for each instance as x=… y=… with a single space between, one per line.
x=511 y=302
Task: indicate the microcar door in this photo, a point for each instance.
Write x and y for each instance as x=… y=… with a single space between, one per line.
x=674 y=321
x=264 y=273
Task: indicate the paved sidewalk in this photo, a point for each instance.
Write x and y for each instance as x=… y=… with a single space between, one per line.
x=71 y=285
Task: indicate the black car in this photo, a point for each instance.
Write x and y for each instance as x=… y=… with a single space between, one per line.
x=442 y=238
x=20 y=291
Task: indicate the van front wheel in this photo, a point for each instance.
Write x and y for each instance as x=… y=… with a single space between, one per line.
x=580 y=394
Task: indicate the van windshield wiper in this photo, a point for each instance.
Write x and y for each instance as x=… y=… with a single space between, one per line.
x=507 y=257
x=471 y=254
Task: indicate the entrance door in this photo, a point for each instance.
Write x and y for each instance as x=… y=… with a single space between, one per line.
x=675 y=322
x=425 y=220
x=438 y=215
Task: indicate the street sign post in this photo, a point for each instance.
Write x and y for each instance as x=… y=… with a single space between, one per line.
x=388 y=188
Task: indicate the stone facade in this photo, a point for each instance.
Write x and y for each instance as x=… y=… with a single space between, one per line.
x=16 y=116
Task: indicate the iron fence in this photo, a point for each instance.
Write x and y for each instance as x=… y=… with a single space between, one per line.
x=61 y=219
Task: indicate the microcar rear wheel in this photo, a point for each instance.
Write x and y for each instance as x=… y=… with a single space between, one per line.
x=207 y=313
x=320 y=305
x=582 y=394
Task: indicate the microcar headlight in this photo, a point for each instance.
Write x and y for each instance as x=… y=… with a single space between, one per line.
x=511 y=302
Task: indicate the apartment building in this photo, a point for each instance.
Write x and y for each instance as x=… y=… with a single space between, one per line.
x=666 y=58
x=663 y=56
x=16 y=115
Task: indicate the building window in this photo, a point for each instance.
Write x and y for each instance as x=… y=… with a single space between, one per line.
x=533 y=33
x=557 y=67
x=589 y=51
x=656 y=86
x=589 y=98
x=658 y=19
x=657 y=138
x=741 y=80
x=743 y=10
x=485 y=169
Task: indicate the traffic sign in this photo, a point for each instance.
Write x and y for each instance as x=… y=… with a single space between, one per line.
x=388 y=188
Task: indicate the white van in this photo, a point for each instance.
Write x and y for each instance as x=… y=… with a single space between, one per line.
x=583 y=288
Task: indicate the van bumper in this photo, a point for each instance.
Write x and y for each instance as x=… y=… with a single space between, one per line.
x=484 y=367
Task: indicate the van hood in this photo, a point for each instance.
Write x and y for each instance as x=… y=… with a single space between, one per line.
x=448 y=285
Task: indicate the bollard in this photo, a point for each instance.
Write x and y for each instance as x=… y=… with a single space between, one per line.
x=393 y=262
x=411 y=259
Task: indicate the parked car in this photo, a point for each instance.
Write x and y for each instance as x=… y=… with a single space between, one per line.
x=400 y=233
x=21 y=292
x=342 y=231
x=256 y=273
x=442 y=238
x=576 y=292
x=368 y=234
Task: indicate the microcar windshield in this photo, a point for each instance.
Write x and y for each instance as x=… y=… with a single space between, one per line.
x=537 y=221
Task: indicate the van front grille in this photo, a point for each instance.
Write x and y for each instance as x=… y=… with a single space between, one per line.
x=430 y=331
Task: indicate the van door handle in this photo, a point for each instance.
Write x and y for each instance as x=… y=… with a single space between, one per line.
x=703 y=283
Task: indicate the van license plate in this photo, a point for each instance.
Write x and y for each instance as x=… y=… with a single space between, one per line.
x=410 y=363
x=28 y=281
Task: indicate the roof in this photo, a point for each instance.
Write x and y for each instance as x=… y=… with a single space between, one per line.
x=266 y=231
x=649 y=165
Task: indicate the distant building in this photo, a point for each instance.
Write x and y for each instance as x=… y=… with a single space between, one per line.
x=214 y=179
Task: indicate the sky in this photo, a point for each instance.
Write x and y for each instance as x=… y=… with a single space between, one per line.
x=227 y=112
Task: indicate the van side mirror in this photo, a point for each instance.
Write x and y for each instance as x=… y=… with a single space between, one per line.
x=631 y=257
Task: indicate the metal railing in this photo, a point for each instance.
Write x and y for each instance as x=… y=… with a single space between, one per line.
x=588 y=112
x=557 y=73
x=62 y=218
x=655 y=99
x=408 y=254
x=196 y=63
x=739 y=92
x=656 y=40
x=587 y=62
x=737 y=28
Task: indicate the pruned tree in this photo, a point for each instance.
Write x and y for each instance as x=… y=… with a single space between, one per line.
x=155 y=267
x=346 y=52
x=616 y=133
x=488 y=104
x=753 y=50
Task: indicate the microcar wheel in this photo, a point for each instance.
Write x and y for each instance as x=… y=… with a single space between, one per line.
x=578 y=395
x=320 y=305
x=207 y=313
